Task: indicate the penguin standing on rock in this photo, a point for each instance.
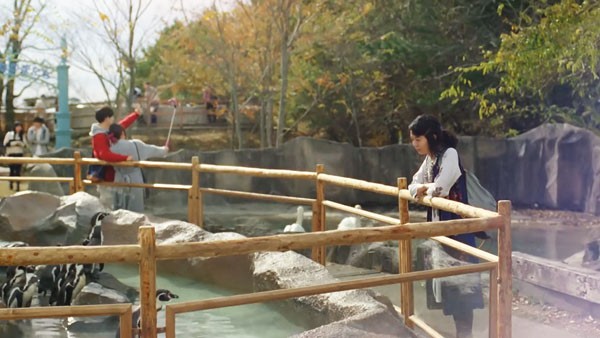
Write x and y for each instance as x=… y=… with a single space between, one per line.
x=95 y=238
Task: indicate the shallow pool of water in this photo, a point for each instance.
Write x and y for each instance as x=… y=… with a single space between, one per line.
x=255 y=320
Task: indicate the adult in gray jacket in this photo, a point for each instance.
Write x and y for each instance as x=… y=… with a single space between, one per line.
x=130 y=198
x=38 y=137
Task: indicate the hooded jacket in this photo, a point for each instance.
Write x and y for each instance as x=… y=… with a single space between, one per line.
x=101 y=145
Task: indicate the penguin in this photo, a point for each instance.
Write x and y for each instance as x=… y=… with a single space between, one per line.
x=23 y=288
x=162 y=295
x=60 y=273
x=66 y=286
x=17 y=280
x=95 y=237
x=79 y=282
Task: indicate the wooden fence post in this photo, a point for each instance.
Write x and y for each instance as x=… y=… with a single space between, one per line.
x=493 y=313
x=199 y=199
x=193 y=192
x=147 y=240
x=78 y=181
x=405 y=260
x=318 y=216
x=504 y=272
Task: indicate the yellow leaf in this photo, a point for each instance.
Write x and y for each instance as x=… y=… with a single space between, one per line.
x=103 y=16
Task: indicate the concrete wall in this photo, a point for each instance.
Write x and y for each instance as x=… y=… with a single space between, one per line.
x=554 y=166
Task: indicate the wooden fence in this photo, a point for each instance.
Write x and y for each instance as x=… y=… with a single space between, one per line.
x=146 y=252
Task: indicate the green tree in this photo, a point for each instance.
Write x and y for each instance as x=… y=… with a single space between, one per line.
x=545 y=69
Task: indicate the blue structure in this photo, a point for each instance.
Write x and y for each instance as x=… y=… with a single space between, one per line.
x=63 y=116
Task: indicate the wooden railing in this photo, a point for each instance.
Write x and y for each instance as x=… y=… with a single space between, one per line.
x=146 y=252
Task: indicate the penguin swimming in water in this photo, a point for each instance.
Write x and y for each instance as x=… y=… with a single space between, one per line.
x=162 y=295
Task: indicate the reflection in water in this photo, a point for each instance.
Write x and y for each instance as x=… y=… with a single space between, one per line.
x=256 y=320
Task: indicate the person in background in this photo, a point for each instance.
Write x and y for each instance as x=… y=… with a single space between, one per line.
x=208 y=98
x=441 y=175
x=131 y=198
x=152 y=102
x=15 y=143
x=38 y=137
x=40 y=107
x=101 y=146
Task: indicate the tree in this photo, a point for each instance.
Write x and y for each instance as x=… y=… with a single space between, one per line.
x=120 y=32
x=545 y=69
x=17 y=29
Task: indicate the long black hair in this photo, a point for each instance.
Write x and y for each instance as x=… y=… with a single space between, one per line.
x=17 y=123
x=115 y=131
x=437 y=138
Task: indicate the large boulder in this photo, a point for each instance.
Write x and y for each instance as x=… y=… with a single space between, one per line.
x=356 y=312
x=44 y=170
x=35 y=218
x=121 y=227
x=85 y=206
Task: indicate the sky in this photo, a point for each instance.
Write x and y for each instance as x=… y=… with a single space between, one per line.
x=79 y=21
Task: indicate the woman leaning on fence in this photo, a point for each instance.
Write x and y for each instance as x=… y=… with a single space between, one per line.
x=14 y=142
x=442 y=175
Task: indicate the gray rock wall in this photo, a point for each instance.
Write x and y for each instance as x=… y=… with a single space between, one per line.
x=553 y=166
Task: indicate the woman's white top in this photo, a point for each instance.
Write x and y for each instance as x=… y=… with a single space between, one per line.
x=440 y=185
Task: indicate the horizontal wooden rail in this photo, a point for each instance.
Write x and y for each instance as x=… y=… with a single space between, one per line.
x=364 y=213
x=332 y=237
x=35 y=255
x=64 y=311
x=448 y=205
x=259 y=172
x=139 y=164
x=359 y=184
x=264 y=197
x=36 y=160
x=466 y=248
x=122 y=310
x=161 y=186
x=266 y=296
x=36 y=179
x=423 y=326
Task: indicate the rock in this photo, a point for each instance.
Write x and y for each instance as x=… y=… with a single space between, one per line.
x=356 y=313
x=86 y=206
x=44 y=170
x=47 y=223
x=121 y=227
x=94 y=293
x=109 y=281
x=375 y=256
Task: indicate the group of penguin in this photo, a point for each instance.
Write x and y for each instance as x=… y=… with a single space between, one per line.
x=64 y=281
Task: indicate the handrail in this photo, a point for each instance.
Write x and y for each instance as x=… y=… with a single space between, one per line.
x=146 y=253
x=295 y=241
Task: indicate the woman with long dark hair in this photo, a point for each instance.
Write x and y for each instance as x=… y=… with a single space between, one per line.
x=14 y=142
x=441 y=175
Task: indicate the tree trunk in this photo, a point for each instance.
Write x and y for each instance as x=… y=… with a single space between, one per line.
x=9 y=103
x=284 y=68
x=261 y=123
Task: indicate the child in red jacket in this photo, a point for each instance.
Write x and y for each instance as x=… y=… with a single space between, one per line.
x=101 y=147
